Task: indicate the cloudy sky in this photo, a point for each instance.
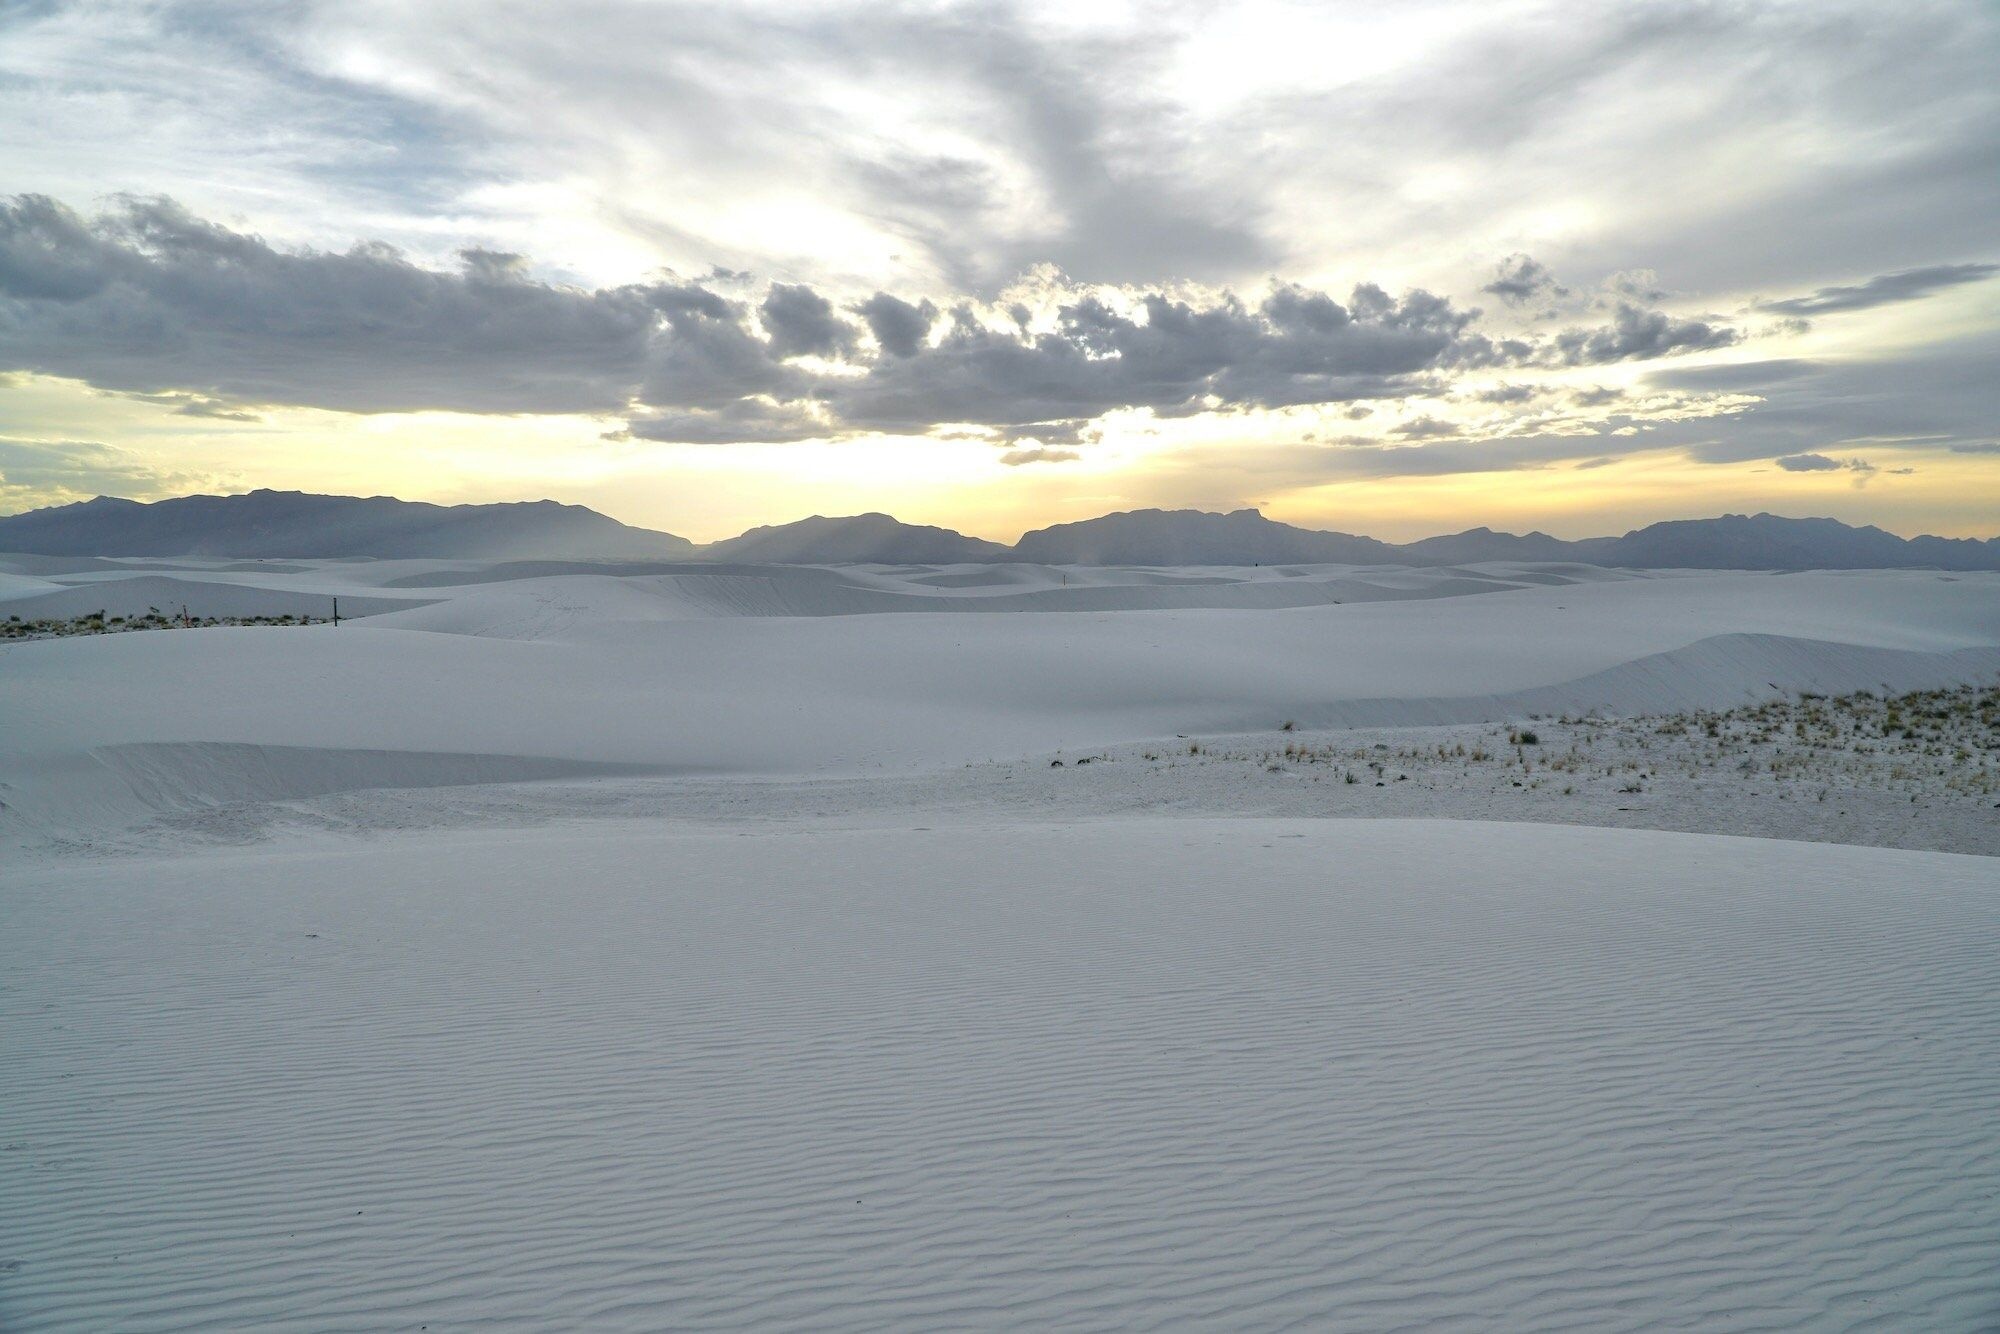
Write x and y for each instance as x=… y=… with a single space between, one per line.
x=1396 y=269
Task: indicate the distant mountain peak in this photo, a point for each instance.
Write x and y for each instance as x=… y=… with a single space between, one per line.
x=1194 y=537
x=873 y=538
x=269 y=523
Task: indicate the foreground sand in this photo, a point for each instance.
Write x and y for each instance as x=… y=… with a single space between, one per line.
x=1123 y=1074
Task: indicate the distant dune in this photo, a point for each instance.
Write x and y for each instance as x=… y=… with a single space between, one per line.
x=785 y=670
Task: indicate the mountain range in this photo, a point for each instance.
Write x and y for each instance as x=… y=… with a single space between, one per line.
x=265 y=524
x=278 y=524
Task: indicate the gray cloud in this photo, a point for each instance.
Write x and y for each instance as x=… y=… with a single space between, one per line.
x=1809 y=463
x=56 y=471
x=194 y=405
x=1311 y=464
x=208 y=407
x=1636 y=285
x=1737 y=376
x=1887 y=289
x=801 y=322
x=1523 y=279
x=1636 y=333
x=1131 y=145
x=1930 y=397
x=743 y=421
x=148 y=299
x=1078 y=430
x=1424 y=428
x=898 y=326
x=1014 y=458
x=1172 y=356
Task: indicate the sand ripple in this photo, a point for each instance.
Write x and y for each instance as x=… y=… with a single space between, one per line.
x=1135 y=1074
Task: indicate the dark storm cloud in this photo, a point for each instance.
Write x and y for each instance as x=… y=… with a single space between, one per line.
x=1885 y=290
x=149 y=300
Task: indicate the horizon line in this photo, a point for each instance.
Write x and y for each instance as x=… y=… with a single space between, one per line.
x=1150 y=509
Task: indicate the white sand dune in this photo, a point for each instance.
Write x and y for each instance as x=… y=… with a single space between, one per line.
x=20 y=563
x=699 y=674
x=210 y=773
x=13 y=586
x=1136 y=1074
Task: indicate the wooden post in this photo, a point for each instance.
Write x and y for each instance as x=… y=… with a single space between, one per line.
x=336 y=613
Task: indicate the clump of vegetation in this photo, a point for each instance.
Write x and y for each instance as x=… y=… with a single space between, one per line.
x=1933 y=745
x=99 y=623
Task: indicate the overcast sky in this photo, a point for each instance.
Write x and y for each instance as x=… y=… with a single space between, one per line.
x=1388 y=268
